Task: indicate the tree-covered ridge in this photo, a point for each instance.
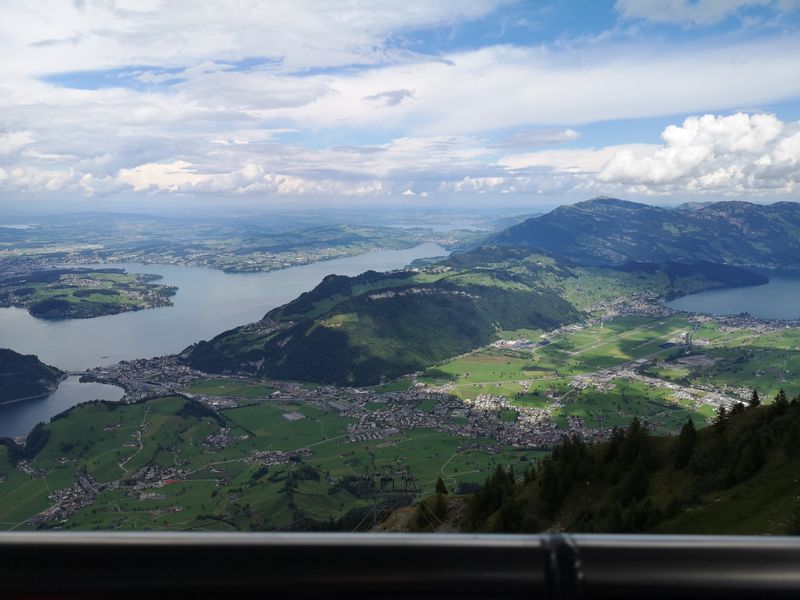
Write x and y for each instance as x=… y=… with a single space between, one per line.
x=25 y=376
x=731 y=477
x=357 y=330
x=612 y=231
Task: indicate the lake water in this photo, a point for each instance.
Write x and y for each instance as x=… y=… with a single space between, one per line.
x=18 y=418
x=778 y=299
x=207 y=303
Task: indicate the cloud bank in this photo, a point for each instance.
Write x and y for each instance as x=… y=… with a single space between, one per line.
x=306 y=98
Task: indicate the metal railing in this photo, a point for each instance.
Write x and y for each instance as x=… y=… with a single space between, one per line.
x=109 y=565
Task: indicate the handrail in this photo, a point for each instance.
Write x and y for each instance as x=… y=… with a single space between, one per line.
x=285 y=565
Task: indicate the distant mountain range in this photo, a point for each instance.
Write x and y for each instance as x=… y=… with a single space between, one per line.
x=608 y=231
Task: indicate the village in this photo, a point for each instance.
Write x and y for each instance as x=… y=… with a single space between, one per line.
x=378 y=415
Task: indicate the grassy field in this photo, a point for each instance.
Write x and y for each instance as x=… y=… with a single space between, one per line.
x=236 y=388
x=217 y=489
x=766 y=361
x=540 y=377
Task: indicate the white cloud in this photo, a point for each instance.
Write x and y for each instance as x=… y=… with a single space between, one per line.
x=728 y=154
x=54 y=36
x=185 y=118
x=736 y=154
x=182 y=176
x=723 y=155
x=173 y=176
x=41 y=180
x=580 y=160
x=14 y=141
x=511 y=87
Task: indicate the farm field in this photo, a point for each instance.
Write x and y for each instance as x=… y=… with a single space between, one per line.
x=230 y=387
x=164 y=464
x=630 y=366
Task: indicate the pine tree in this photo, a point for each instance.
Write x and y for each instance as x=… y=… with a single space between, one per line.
x=686 y=442
x=549 y=489
x=636 y=485
x=720 y=418
x=635 y=443
x=440 y=487
x=754 y=399
x=614 y=444
x=781 y=402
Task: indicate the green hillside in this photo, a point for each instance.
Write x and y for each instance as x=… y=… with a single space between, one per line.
x=25 y=376
x=357 y=330
x=612 y=231
x=733 y=477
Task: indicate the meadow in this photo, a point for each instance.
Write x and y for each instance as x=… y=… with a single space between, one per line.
x=217 y=489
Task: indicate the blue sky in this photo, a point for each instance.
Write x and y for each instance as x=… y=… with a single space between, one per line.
x=485 y=101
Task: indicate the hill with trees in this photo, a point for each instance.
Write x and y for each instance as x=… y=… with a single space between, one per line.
x=25 y=376
x=733 y=477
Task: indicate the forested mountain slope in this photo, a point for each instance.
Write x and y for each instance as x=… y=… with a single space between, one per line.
x=613 y=231
x=24 y=376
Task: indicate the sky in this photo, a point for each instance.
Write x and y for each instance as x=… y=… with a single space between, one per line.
x=487 y=101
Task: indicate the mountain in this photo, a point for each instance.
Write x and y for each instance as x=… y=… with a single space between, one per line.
x=613 y=231
x=25 y=376
x=733 y=477
x=357 y=330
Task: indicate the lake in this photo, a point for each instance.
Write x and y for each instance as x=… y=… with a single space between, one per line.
x=18 y=418
x=778 y=299
x=207 y=303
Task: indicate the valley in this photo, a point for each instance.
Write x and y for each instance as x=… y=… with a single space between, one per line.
x=354 y=398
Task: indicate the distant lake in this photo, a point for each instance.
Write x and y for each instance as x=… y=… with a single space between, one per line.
x=208 y=302
x=18 y=418
x=778 y=299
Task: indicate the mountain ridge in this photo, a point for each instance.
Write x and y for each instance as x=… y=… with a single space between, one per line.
x=608 y=231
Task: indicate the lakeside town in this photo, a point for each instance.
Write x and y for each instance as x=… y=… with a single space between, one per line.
x=377 y=415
